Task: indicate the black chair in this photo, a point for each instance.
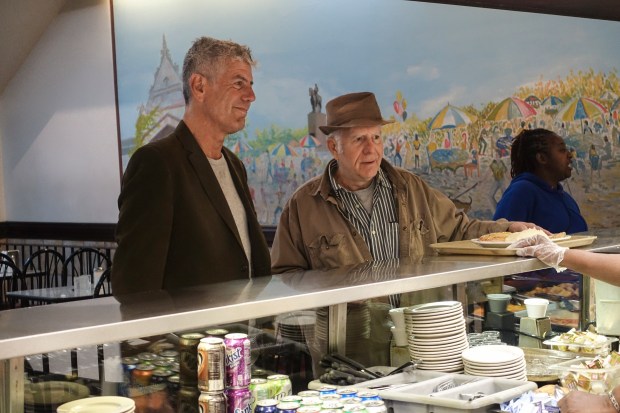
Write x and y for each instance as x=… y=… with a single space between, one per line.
x=84 y=261
x=11 y=280
x=48 y=264
x=103 y=288
x=6 y=257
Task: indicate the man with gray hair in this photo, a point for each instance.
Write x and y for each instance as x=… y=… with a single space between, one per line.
x=186 y=215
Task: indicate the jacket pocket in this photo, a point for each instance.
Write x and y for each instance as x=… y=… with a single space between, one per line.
x=329 y=251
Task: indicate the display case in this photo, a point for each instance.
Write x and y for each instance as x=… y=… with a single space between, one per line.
x=63 y=327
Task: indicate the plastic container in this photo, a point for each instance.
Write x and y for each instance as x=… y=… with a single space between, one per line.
x=600 y=349
x=607 y=308
x=498 y=302
x=574 y=375
x=426 y=391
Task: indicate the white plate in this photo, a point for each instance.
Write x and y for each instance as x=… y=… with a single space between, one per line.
x=500 y=244
x=493 y=354
x=103 y=404
x=439 y=306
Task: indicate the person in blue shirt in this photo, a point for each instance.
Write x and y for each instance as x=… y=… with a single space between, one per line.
x=539 y=161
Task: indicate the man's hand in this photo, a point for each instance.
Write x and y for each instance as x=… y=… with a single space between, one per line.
x=519 y=226
x=542 y=248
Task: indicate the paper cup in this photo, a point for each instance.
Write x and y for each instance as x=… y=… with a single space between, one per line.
x=398 y=317
x=400 y=336
x=498 y=302
x=536 y=307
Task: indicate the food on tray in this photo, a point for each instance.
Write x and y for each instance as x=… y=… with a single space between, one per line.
x=566 y=290
x=515 y=236
x=580 y=342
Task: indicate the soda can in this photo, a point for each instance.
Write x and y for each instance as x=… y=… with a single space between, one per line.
x=329 y=397
x=129 y=364
x=309 y=409
x=260 y=391
x=368 y=395
x=287 y=407
x=171 y=355
x=238 y=359
x=160 y=376
x=332 y=405
x=355 y=408
x=350 y=405
x=188 y=358
x=375 y=406
x=266 y=406
x=291 y=398
x=174 y=383
x=239 y=400
x=311 y=401
x=147 y=357
x=308 y=393
x=142 y=374
x=280 y=386
x=211 y=355
x=327 y=389
x=162 y=364
x=187 y=399
x=347 y=392
x=212 y=402
x=217 y=332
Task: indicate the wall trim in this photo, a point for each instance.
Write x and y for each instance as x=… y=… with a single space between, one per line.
x=75 y=231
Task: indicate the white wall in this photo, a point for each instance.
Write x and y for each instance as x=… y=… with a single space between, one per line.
x=58 y=124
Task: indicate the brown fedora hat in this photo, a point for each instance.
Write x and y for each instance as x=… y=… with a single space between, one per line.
x=353 y=110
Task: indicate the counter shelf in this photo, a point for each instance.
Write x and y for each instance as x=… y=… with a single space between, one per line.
x=44 y=329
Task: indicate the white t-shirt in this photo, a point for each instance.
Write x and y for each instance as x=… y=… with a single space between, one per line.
x=222 y=173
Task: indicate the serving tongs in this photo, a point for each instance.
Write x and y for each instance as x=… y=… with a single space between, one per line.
x=355 y=365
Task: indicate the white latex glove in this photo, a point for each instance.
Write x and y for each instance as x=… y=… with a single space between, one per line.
x=542 y=248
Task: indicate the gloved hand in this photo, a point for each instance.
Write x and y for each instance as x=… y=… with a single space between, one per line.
x=542 y=248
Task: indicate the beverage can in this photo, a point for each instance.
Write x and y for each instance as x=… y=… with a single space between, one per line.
x=142 y=374
x=327 y=389
x=211 y=354
x=291 y=398
x=147 y=357
x=188 y=358
x=212 y=402
x=331 y=396
x=375 y=406
x=287 y=407
x=311 y=401
x=238 y=360
x=260 y=391
x=217 y=332
x=174 y=383
x=280 y=386
x=266 y=406
x=347 y=392
x=332 y=405
x=129 y=364
x=162 y=364
x=309 y=409
x=239 y=400
x=160 y=376
x=368 y=395
x=171 y=355
x=355 y=408
x=308 y=393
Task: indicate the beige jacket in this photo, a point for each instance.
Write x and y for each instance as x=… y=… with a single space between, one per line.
x=314 y=234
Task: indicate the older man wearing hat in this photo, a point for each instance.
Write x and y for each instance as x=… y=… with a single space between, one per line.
x=362 y=208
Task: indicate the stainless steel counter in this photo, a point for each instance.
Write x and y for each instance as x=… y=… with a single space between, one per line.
x=59 y=326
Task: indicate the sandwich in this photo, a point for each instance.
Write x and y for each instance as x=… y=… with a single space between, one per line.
x=515 y=236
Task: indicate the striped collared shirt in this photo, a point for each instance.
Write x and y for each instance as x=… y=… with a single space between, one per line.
x=379 y=228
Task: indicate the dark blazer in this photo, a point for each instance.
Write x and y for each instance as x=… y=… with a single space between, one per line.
x=175 y=228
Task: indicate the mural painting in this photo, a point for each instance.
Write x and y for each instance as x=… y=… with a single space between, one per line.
x=458 y=92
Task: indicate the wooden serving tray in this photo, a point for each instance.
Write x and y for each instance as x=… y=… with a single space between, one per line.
x=469 y=248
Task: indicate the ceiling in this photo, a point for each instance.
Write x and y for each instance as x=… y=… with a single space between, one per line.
x=22 y=22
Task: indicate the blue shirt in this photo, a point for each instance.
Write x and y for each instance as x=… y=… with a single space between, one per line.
x=530 y=199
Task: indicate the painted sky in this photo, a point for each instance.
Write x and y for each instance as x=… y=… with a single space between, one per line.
x=433 y=53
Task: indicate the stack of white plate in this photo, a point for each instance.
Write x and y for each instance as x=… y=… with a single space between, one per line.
x=358 y=323
x=436 y=335
x=495 y=361
x=297 y=326
x=102 y=404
